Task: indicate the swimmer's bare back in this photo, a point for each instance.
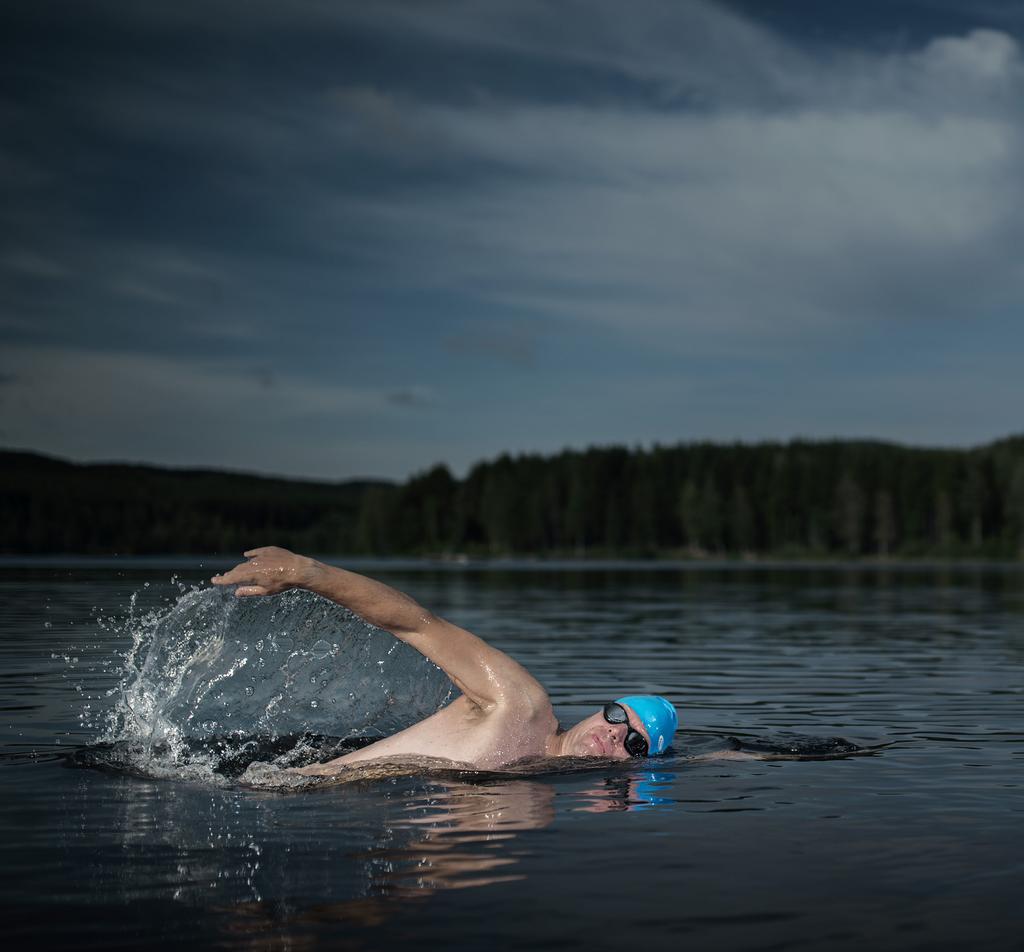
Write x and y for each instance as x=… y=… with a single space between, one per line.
x=503 y=715
x=462 y=732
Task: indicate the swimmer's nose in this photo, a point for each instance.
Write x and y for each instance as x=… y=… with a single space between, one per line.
x=617 y=733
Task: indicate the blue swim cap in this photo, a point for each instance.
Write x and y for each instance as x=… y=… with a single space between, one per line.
x=658 y=717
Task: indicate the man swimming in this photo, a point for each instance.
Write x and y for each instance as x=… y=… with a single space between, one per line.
x=503 y=714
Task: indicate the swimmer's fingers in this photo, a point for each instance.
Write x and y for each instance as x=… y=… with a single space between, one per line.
x=240 y=573
x=244 y=577
x=265 y=550
x=244 y=590
x=269 y=571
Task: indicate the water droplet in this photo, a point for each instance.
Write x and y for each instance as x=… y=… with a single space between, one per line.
x=47 y=624
x=314 y=703
x=249 y=691
x=321 y=649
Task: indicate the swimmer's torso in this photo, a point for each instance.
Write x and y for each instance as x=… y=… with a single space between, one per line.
x=462 y=732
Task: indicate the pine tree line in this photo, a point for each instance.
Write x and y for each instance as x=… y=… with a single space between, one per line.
x=836 y=498
x=797 y=499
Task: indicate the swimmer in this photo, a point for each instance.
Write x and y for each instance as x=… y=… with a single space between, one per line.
x=503 y=714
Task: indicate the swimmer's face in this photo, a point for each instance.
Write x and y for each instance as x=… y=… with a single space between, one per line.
x=595 y=737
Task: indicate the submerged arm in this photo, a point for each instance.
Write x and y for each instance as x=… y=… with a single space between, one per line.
x=487 y=676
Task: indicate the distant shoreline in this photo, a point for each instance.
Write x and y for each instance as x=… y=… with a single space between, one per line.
x=816 y=502
x=428 y=563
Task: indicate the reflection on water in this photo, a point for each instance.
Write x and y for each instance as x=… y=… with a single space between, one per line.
x=463 y=837
x=643 y=791
x=390 y=846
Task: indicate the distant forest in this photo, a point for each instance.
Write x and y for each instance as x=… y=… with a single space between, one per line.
x=831 y=499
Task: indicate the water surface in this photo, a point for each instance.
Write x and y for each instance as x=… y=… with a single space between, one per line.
x=916 y=846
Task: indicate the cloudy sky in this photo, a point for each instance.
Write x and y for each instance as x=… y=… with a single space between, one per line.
x=337 y=239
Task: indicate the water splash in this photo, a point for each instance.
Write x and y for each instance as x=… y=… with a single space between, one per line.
x=214 y=682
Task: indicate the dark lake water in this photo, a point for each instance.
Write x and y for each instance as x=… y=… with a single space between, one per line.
x=918 y=845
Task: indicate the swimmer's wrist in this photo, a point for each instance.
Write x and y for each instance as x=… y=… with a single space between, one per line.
x=311 y=575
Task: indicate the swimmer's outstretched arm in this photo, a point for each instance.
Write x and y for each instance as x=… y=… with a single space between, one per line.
x=487 y=676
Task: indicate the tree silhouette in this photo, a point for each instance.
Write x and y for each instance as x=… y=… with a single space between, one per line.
x=806 y=499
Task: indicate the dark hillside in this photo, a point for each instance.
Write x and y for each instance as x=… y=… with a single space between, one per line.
x=835 y=499
x=49 y=505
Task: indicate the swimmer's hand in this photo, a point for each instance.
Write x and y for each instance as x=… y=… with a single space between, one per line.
x=270 y=571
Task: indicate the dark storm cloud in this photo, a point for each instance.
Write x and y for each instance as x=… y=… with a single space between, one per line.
x=504 y=206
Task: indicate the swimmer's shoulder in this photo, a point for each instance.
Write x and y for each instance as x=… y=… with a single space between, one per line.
x=530 y=703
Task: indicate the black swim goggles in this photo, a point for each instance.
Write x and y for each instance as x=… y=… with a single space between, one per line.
x=636 y=746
